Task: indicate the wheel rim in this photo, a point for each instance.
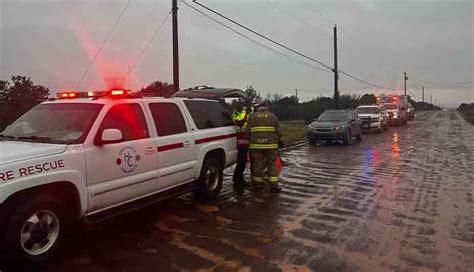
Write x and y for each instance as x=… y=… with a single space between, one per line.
x=212 y=178
x=39 y=232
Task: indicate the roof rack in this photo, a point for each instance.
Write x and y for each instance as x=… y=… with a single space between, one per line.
x=199 y=87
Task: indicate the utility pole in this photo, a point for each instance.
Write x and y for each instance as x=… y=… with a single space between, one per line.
x=336 y=76
x=296 y=93
x=405 y=78
x=175 y=45
x=423 y=94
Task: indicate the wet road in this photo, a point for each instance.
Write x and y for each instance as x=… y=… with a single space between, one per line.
x=399 y=201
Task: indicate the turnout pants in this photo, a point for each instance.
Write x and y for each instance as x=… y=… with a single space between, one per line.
x=241 y=163
x=264 y=160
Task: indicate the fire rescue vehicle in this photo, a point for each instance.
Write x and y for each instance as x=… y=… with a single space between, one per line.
x=87 y=156
x=396 y=107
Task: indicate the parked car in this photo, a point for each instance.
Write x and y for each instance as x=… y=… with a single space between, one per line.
x=373 y=117
x=335 y=125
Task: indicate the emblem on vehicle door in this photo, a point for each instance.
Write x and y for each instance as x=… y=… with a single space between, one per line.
x=128 y=159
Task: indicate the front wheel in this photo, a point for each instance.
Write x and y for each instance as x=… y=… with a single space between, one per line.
x=210 y=180
x=35 y=230
x=347 y=138
x=359 y=137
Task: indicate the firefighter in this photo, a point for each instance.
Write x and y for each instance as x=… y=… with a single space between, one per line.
x=265 y=134
x=240 y=121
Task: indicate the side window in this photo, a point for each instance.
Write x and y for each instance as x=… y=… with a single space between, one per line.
x=168 y=119
x=129 y=119
x=208 y=114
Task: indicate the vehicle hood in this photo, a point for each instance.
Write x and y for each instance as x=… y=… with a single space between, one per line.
x=13 y=151
x=327 y=124
x=392 y=110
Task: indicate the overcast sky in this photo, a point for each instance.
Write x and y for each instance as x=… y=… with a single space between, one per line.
x=53 y=42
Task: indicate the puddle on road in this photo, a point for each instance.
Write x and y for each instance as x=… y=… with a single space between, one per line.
x=223 y=220
x=206 y=208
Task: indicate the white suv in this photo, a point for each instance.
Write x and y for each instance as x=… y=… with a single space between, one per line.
x=86 y=159
x=372 y=117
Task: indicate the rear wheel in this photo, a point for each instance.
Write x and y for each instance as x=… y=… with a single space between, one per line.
x=35 y=230
x=210 y=180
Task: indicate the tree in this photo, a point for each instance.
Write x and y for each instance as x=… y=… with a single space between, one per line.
x=367 y=99
x=18 y=97
x=250 y=95
x=159 y=88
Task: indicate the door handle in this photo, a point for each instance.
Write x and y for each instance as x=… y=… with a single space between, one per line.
x=186 y=143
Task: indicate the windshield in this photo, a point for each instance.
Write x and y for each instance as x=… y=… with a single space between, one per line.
x=329 y=116
x=54 y=123
x=390 y=106
x=367 y=110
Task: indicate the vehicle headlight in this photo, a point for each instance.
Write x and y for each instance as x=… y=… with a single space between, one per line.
x=337 y=128
x=311 y=128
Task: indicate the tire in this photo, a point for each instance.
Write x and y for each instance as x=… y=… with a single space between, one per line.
x=210 y=179
x=347 y=138
x=381 y=129
x=35 y=230
x=359 y=137
x=312 y=142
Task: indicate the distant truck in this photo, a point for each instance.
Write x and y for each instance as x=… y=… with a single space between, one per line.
x=396 y=107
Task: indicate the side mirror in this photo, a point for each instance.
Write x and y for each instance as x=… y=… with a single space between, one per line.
x=110 y=136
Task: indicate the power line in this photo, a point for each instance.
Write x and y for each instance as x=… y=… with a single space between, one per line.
x=324 y=16
x=255 y=41
x=103 y=43
x=157 y=31
x=281 y=45
x=363 y=81
x=297 y=18
x=263 y=36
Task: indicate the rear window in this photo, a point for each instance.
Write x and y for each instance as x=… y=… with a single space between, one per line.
x=168 y=119
x=208 y=114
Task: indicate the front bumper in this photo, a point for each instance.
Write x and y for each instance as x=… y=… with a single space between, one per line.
x=371 y=124
x=326 y=136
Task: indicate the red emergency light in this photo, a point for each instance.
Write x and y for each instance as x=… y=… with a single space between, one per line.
x=120 y=92
x=67 y=94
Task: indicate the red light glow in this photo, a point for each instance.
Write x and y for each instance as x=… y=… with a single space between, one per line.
x=117 y=92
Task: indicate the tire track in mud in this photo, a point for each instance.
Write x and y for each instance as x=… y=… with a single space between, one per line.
x=402 y=200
